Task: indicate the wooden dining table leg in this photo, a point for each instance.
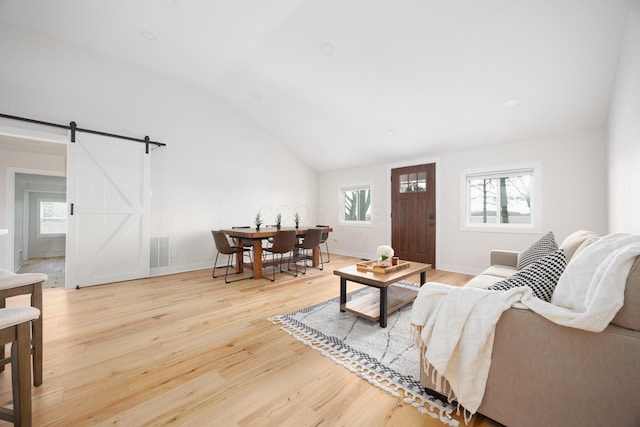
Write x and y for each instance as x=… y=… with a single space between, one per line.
x=315 y=256
x=257 y=259
x=240 y=258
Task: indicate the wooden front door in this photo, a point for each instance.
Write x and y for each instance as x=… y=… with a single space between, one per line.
x=413 y=213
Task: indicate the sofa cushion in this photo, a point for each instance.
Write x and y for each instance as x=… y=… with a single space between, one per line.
x=543 y=247
x=541 y=276
x=628 y=316
x=482 y=281
x=503 y=271
x=576 y=240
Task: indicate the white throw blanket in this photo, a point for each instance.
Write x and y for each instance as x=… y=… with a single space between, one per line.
x=455 y=327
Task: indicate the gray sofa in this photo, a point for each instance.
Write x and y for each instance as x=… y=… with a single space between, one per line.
x=544 y=374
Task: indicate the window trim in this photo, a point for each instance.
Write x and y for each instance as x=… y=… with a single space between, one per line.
x=495 y=172
x=341 y=204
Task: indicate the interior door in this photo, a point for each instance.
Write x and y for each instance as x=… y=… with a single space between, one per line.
x=413 y=213
x=108 y=197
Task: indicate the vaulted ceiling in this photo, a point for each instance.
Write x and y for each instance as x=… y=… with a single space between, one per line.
x=348 y=82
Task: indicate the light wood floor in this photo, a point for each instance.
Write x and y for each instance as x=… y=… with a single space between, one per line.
x=52 y=266
x=187 y=349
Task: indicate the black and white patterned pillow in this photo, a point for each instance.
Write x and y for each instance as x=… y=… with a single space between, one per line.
x=543 y=247
x=541 y=276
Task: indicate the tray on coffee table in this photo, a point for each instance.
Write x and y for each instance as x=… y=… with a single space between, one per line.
x=375 y=267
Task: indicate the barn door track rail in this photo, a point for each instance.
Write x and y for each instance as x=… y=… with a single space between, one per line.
x=73 y=127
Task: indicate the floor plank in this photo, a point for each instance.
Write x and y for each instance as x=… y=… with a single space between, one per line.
x=186 y=349
x=53 y=266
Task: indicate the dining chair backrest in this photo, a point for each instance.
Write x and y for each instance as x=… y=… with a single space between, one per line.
x=325 y=234
x=222 y=244
x=245 y=243
x=284 y=241
x=312 y=238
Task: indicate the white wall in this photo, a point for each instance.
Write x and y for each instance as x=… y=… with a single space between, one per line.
x=218 y=169
x=624 y=133
x=355 y=240
x=206 y=177
x=574 y=197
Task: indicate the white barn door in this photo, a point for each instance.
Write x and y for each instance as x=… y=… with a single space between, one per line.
x=108 y=197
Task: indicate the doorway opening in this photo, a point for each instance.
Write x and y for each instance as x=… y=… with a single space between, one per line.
x=28 y=151
x=40 y=226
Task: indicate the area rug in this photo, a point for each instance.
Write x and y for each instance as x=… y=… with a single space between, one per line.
x=386 y=357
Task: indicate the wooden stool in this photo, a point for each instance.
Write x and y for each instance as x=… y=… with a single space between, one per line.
x=12 y=284
x=14 y=328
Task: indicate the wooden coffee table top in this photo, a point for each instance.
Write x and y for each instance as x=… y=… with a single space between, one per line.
x=380 y=280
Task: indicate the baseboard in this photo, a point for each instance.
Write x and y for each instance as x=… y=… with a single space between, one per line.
x=360 y=255
x=164 y=271
x=55 y=254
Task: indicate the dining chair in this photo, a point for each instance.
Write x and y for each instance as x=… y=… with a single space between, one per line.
x=14 y=284
x=268 y=241
x=325 y=237
x=224 y=247
x=15 y=325
x=247 y=244
x=311 y=240
x=283 y=242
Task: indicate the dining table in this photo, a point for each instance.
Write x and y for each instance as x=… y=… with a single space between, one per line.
x=242 y=235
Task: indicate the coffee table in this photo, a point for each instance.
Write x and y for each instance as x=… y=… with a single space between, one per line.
x=391 y=297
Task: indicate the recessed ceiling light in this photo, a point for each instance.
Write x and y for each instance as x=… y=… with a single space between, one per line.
x=512 y=102
x=148 y=35
x=256 y=94
x=327 y=48
x=390 y=132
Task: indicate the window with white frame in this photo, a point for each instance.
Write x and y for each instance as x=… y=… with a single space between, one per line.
x=504 y=199
x=52 y=217
x=355 y=202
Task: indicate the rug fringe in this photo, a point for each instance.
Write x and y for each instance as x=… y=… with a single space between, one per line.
x=419 y=400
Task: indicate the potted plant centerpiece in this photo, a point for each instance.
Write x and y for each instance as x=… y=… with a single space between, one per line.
x=278 y=220
x=296 y=218
x=258 y=221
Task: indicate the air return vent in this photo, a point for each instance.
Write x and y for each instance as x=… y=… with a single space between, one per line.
x=159 y=252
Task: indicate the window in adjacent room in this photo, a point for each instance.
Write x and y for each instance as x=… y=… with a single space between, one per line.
x=355 y=204
x=505 y=199
x=52 y=217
